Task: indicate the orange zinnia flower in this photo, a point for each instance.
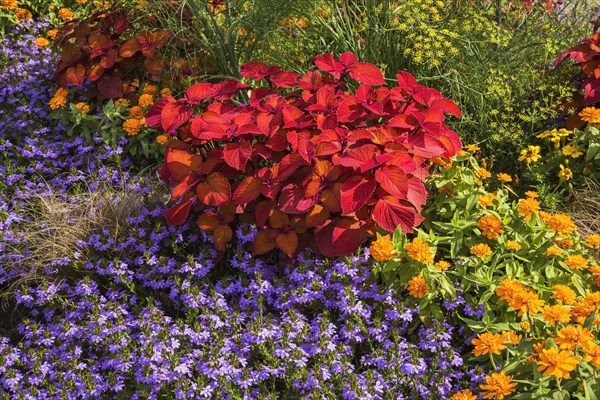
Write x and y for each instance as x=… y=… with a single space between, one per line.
x=132 y=126
x=146 y=100
x=592 y=351
x=508 y=288
x=572 y=336
x=511 y=337
x=419 y=251
x=498 y=385
x=481 y=250
x=562 y=224
x=488 y=343
x=556 y=363
x=526 y=301
x=528 y=206
x=564 y=294
x=504 y=178
x=593 y=241
x=590 y=114
x=417 y=287
x=382 y=249
x=162 y=139
x=490 y=226
x=556 y=313
x=442 y=265
x=464 y=395
x=577 y=261
x=513 y=245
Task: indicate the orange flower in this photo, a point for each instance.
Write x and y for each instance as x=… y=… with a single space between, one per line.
x=525 y=325
x=577 y=261
x=513 y=245
x=42 y=42
x=83 y=107
x=146 y=100
x=65 y=14
x=8 y=4
x=488 y=343
x=508 y=288
x=572 y=336
x=382 y=249
x=487 y=200
x=531 y=194
x=556 y=313
x=490 y=226
x=564 y=243
x=417 y=287
x=504 y=178
x=593 y=241
x=136 y=112
x=52 y=33
x=23 y=14
x=511 y=337
x=165 y=92
x=121 y=103
x=149 y=89
x=528 y=206
x=526 y=301
x=590 y=114
x=162 y=139
x=483 y=173
x=592 y=351
x=553 y=251
x=498 y=385
x=564 y=294
x=481 y=250
x=581 y=311
x=132 y=126
x=463 y=395
x=442 y=265
x=562 y=224
x=57 y=102
x=556 y=363
x=419 y=251
x=472 y=148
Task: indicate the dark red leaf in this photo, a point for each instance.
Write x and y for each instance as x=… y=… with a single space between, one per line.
x=355 y=193
x=366 y=73
x=389 y=213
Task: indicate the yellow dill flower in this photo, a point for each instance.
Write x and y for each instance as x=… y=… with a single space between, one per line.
x=481 y=250
x=417 y=287
x=162 y=139
x=497 y=385
x=565 y=173
x=490 y=226
x=42 y=42
x=555 y=363
x=577 y=261
x=593 y=241
x=530 y=155
x=504 y=178
x=488 y=343
x=513 y=245
x=132 y=126
x=382 y=249
x=419 y=251
x=562 y=224
x=572 y=151
x=590 y=114
x=463 y=395
x=556 y=313
x=146 y=100
x=528 y=206
x=65 y=14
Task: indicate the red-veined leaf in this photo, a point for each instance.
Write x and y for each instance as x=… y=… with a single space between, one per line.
x=287 y=242
x=263 y=242
x=366 y=73
x=393 y=180
x=198 y=92
x=75 y=75
x=177 y=214
x=292 y=200
x=355 y=192
x=279 y=220
x=389 y=213
x=173 y=115
x=215 y=191
x=221 y=236
x=236 y=155
x=247 y=190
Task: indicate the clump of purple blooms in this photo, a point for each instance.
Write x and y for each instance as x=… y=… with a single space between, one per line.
x=154 y=314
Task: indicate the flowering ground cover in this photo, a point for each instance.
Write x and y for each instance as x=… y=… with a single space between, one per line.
x=230 y=229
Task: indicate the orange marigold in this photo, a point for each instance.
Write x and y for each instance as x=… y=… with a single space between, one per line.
x=132 y=126
x=553 y=251
x=418 y=250
x=463 y=395
x=8 y=4
x=150 y=89
x=417 y=287
x=590 y=114
x=592 y=351
x=526 y=301
x=146 y=100
x=165 y=92
x=556 y=313
x=442 y=265
x=490 y=226
x=513 y=245
x=382 y=249
x=57 y=102
x=528 y=206
x=488 y=343
x=571 y=336
x=65 y=14
x=564 y=294
x=481 y=250
x=136 y=112
x=556 y=363
x=581 y=311
x=162 y=139
x=593 y=241
x=577 y=261
x=42 y=42
x=497 y=385
x=562 y=224
x=504 y=178
x=508 y=288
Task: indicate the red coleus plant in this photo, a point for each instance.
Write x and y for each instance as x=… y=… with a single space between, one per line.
x=309 y=161
x=587 y=55
x=102 y=50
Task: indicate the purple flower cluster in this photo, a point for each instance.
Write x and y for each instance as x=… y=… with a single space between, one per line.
x=154 y=313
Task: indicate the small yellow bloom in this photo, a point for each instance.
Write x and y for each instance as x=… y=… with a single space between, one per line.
x=481 y=250
x=553 y=251
x=149 y=89
x=513 y=245
x=42 y=42
x=65 y=14
x=511 y=337
x=504 y=178
x=593 y=241
x=556 y=363
x=525 y=325
x=590 y=114
x=52 y=33
x=146 y=100
x=565 y=173
x=83 y=107
x=419 y=251
x=472 y=148
x=132 y=126
x=572 y=151
x=530 y=155
x=382 y=249
x=162 y=139
x=442 y=265
x=531 y=194
x=164 y=92
x=487 y=200
x=417 y=287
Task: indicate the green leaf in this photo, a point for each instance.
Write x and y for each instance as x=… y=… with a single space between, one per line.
x=591 y=391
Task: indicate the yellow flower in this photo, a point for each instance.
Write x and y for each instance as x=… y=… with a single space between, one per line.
x=442 y=265
x=164 y=92
x=487 y=200
x=572 y=150
x=504 y=178
x=132 y=126
x=481 y=250
x=592 y=351
x=149 y=89
x=42 y=42
x=580 y=311
x=52 y=33
x=564 y=294
x=83 y=107
x=497 y=385
x=382 y=249
x=513 y=245
x=593 y=241
x=511 y=337
x=81 y=1
x=146 y=100
x=490 y=226
x=122 y=102
x=472 y=148
x=463 y=395
x=565 y=173
x=571 y=336
x=136 y=112
x=528 y=206
x=530 y=155
x=57 y=102
x=531 y=194
x=525 y=325
x=556 y=313
x=508 y=288
x=483 y=173
x=590 y=114
x=553 y=251
x=417 y=287
x=556 y=363
x=526 y=301
x=562 y=224
x=65 y=14
x=577 y=261
x=8 y=4
x=419 y=251
x=488 y=343
x=23 y=14
x=162 y=139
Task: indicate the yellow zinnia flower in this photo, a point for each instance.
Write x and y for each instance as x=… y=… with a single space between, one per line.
x=530 y=155
x=590 y=114
x=565 y=173
x=382 y=249
x=417 y=287
x=556 y=363
x=572 y=150
x=497 y=385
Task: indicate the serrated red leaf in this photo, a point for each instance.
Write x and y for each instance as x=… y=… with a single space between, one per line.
x=262 y=211
x=129 y=48
x=263 y=243
x=366 y=73
x=389 y=213
x=355 y=193
x=236 y=155
x=393 y=180
x=292 y=200
x=173 y=115
x=316 y=216
x=177 y=214
x=75 y=75
x=198 y=92
x=287 y=242
x=215 y=191
x=279 y=220
x=247 y=190
x=221 y=236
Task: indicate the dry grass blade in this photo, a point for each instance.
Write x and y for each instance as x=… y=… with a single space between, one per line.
x=585 y=210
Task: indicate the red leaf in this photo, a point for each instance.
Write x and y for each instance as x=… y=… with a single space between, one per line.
x=337 y=238
x=355 y=192
x=263 y=242
x=287 y=242
x=389 y=213
x=179 y=161
x=221 y=236
x=183 y=186
x=393 y=180
x=292 y=200
x=177 y=214
x=279 y=220
x=173 y=115
x=94 y=72
x=348 y=59
x=236 y=155
x=316 y=216
x=262 y=211
x=360 y=158
x=417 y=194
x=366 y=73
x=327 y=63
x=75 y=75
x=284 y=79
x=248 y=190
x=215 y=191
x=153 y=118
x=257 y=70
x=198 y=92
x=110 y=87
x=208 y=221
x=129 y=48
